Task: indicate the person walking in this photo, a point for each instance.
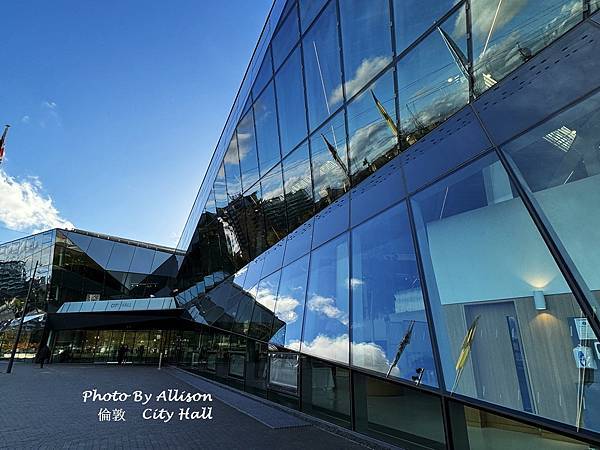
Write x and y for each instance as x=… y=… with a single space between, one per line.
x=121 y=354
x=43 y=355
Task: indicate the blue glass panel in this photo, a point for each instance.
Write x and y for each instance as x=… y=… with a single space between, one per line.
x=232 y=169
x=506 y=39
x=80 y=240
x=159 y=259
x=325 y=332
x=431 y=89
x=262 y=317
x=247 y=151
x=267 y=136
x=380 y=190
x=99 y=250
x=308 y=11
x=220 y=188
x=329 y=161
x=273 y=205
x=322 y=68
x=366 y=41
x=372 y=140
x=285 y=38
x=253 y=273
x=273 y=258
x=142 y=260
x=289 y=309
x=389 y=326
x=454 y=142
x=290 y=103
x=298 y=242
x=570 y=67
x=332 y=221
x=264 y=74
x=414 y=17
x=297 y=183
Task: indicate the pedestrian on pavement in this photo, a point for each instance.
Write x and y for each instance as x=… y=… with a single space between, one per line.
x=125 y=352
x=140 y=353
x=43 y=355
x=121 y=354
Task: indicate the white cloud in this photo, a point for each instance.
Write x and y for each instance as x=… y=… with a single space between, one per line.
x=50 y=114
x=367 y=70
x=25 y=119
x=25 y=207
x=372 y=356
x=332 y=348
x=286 y=309
x=327 y=307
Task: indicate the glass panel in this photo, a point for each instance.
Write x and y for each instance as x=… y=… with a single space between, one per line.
x=290 y=103
x=255 y=221
x=99 y=250
x=326 y=391
x=389 y=326
x=267 y=136
x=322 y=68
x=308 y=11
x=264 y=74
x=560 y=162
x=298 y=186
x=298 y=242
x=390 y=411
x=377 y=193
x=273 y=205
x=285 y=38
x=473 y=429
x=366 y=40
x=262 y=318
x=331 y=221
x=232 y=169
x=414 y=17
x=273 y=259
x=329 y=161
x=432 y=89
x=289 y=309
x=326 y=318
x=507 y=35
x=247 y=151
x=220 y=188
x=372 y=131
x=502 y=310
x=142 y=260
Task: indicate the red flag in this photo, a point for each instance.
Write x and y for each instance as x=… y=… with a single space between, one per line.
x=2 y=140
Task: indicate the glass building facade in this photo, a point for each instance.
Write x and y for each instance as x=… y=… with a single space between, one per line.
x=397 y=230
x=73 y=265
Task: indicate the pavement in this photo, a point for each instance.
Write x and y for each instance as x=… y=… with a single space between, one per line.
x=44 y=409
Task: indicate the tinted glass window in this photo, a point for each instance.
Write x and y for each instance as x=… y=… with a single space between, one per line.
x=290 y=103
x=503 y=302
x=232 y=169
x=247 y=151
x=120 y=257
x=99 y=250
x=289 y=309
x=255 y=221
x=560 y=163
x=326 y=318
x=372 y=128
x=414 y=17
x=432 y=89
x=298 y=186
x=413 y=419
x=274 y=205
x=220 y=188
x=273 y=258
x=506 y=39
x=142 y=260
x=267 y=135
x=366 y=41
x=264 y=74
x=262 y=318
x=298 y=242
x=308 y=11
x=285 y=38
x=389 y=326
x=329 y=161
x=332 y=221
x=322 y=68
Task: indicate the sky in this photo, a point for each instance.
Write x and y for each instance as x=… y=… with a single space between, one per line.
x=116 y=108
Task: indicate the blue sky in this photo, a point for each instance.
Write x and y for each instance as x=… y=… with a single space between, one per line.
x=116 y=107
